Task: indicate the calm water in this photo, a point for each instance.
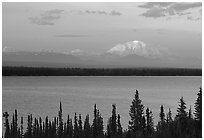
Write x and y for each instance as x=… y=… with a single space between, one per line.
x=41 y=95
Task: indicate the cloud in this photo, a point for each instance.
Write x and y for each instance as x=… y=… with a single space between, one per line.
x=95 y=12
x=115 y=13
x=154 y=12
x=193 y=19
x=161 y=9
x=99 y=12
x=149 y=5
x=185 y=13
x=185 y=6
x=71 y=35
x=47 y=18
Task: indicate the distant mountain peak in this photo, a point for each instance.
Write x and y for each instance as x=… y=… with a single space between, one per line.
x=134 y=47
x=77 y=52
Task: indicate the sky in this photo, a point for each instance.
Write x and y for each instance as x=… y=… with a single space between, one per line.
x=175 y=28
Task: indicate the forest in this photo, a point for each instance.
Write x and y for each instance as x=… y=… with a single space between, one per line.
x=45 y=71
x=186 y=124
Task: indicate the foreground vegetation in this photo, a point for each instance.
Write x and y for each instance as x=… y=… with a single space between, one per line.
x=185 y=124
x=43 y=71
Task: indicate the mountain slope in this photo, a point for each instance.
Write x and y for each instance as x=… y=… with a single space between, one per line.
x=39 y=59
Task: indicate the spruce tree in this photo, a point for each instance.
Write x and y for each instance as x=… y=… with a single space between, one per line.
x=94 y=125
x=198 y=106
x=18 y=133
x=162 y=115
x=198 y=114
x=87 y=128
x=190 y=123
x=21 y=127
x=143 y=126
x=6 y=124
x=34 y=128
x=75 y=126
x=15 y=124
x=181 y=110
x=57 y=124
x=161 y=124
x=31 y=124
x=181 y=117
x=113 y=121
x=100 y=125
x=70 y=129
x=43 y=129
x=40 y=127
x=37 y=127
x=151 y=122
x=80 y=129
x=29 y=127
x=46 y=126
x=136 y=114
x=169 y=116
x=108 y=132
x=60 y=128
x=169 y=124
x=190 y=116
x=97 y=126
x=150 y=125
x=67 y=132
x=119 y=128
x=64 y=130
x=54 y=127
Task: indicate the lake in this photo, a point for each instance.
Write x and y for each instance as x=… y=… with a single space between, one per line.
x=41 y=95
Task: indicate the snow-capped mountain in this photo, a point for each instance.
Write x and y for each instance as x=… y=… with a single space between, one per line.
x=77 y=52
x=134 y=47
x=129 y=54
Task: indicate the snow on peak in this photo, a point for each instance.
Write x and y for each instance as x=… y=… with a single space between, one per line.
x=135 y=41
x=77 y=52
x=134 y=47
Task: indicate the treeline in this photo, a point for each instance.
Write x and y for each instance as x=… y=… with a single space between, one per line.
x=44 y=71
x=185 y=124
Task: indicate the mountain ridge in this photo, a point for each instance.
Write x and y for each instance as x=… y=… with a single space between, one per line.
x=56 y=59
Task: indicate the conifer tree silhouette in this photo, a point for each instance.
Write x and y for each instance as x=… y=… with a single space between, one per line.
x=80 y=129
x=136 y=114
x=113 y=122
x=198 y=106
x=6 y=124
x=87 y=128
x=181 y=117
x=141 y=125
x=21 y=128
x=75 y=126
x=60 y=128
x=119 y=128
x=150 y=124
